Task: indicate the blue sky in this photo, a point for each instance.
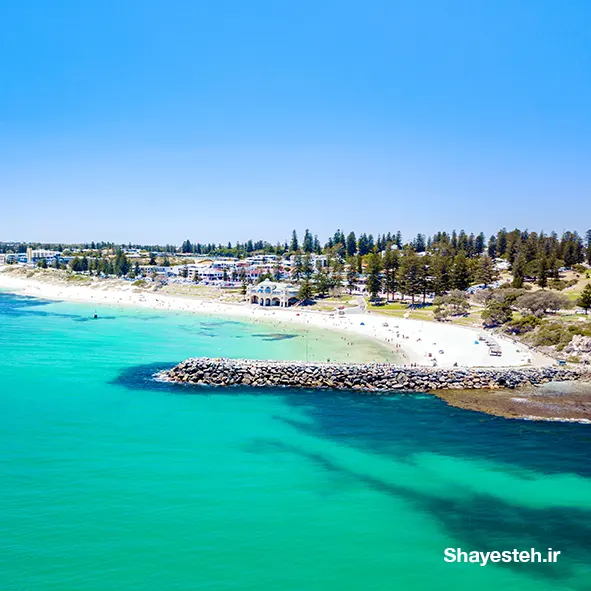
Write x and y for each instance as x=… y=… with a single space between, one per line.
x=152 y=121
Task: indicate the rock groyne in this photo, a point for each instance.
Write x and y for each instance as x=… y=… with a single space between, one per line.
x=363 y=377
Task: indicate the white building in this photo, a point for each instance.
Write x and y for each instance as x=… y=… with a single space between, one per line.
x=317 y=261
x=269 y=293
x=258 y=259
x=502 y=265
x=36 y=255
x=205 y=273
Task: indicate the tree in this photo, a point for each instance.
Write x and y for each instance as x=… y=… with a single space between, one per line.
x=294 y=246
x=479 y=243
x=352 y=274
x=440 y=273
x=363 y=244
x=76 y=265
x=419 y=243
x=307 y=268
x=351 y=244
x=308 y=243
x=305 y=291
x=486 y=272
x=121 y=264
x=454 y=304
x=425 y=279
x=336 y=277
x=277 y=271
x=339 y=238
x=519 y=267
x=374 y=278
x=317 y=247
x=359 y=264
x=492 y=247
x=391 y=263
x=409 y=274
x=297 y=269
x=323 y=283
x=42 y=264
x=542 y=271
x=539 y=303
x=501 y=242
x=496 y=313
x=584 y=300
x=460 y=273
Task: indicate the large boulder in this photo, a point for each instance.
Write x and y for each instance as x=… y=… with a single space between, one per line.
x=580 y=347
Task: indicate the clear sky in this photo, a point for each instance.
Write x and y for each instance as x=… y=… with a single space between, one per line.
x=155 y=121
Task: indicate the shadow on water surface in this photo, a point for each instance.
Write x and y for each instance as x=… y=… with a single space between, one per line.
x=473 y=519
x=17 y=305
x=141 y=377
x=402 y=426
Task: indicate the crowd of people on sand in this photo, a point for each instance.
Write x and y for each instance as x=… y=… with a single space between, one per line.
x=411 y=341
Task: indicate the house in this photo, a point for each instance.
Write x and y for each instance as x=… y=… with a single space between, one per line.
x=270 y=293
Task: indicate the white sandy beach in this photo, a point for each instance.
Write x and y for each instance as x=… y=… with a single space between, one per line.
x=420 y=342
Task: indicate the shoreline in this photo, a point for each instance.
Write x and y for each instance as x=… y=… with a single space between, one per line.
x=420 y=342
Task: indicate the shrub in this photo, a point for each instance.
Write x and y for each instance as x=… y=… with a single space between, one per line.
x=560 y=284
x=559 y=334
x=454 y=304
x=542 y=302
x=523 y=325
x=496 y=313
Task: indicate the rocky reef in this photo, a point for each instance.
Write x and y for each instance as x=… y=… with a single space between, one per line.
x=362 y=377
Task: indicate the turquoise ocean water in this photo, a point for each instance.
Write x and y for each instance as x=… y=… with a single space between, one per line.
x=110 y=481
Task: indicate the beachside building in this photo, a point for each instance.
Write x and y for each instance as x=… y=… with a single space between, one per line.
x=156 y=269
x=33 y=256
x=259 y=259
x=270 y=293
x=317 y=261
x=205 y=273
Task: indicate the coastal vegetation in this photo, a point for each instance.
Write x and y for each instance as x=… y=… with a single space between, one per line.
x=534 y=286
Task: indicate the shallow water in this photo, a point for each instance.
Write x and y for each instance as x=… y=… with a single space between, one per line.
x=112 y=481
